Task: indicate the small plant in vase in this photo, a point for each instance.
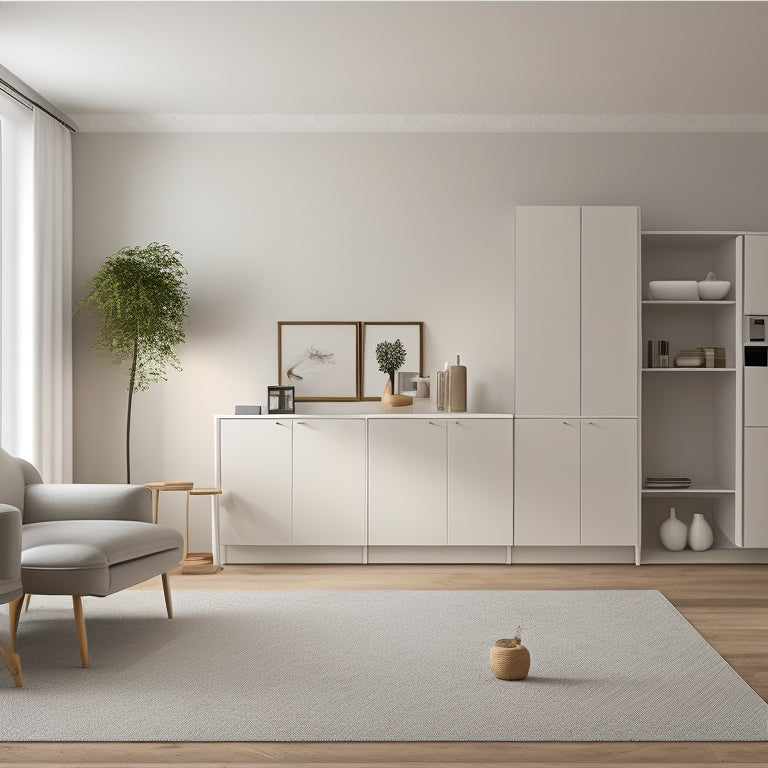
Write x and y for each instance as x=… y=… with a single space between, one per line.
x=390 y=355
x=510 y=659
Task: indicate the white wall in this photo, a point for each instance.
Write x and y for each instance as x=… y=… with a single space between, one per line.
x=349 y=227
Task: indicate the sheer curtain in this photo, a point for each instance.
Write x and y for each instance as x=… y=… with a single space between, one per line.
x=36 y=341
x=52 y=292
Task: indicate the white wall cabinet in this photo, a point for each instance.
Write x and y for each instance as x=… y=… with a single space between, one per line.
x=440 y=482
x=407 y=482
x=756 y=274
x=575 y=482
x=255 y=476
x=480 y=481
x=576 y=316
x=755 y=487
x=292 y=482
x=329 y=490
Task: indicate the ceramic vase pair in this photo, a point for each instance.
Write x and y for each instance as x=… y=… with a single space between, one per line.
x=675 y=534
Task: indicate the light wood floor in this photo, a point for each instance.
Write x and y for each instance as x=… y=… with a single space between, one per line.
x=728 y=605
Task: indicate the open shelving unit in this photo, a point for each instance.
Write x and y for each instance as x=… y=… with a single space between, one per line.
x=692 y=417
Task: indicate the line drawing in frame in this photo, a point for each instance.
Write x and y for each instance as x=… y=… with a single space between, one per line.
x=320 y=359
x=410 y=334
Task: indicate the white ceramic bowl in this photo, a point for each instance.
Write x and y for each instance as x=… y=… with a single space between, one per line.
x=713 y=290
x=673 y=290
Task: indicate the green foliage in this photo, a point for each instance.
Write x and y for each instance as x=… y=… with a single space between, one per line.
x=141 y=297
x=390 y=355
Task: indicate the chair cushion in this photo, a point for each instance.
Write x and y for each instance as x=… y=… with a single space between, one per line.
x=90 y=544
x=10 y=590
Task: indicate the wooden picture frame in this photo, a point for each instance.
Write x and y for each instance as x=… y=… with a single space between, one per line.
x=411 y=334
x=320 y=359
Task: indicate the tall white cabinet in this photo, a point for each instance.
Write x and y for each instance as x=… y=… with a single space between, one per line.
x=576 y=375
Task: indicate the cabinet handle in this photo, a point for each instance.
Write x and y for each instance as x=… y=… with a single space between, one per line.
x=434 y=424
x=300 y=422
x=568 y=424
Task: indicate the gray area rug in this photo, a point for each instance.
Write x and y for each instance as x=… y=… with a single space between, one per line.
x=373 y=666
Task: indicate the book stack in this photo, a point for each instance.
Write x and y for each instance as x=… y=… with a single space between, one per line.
x=667 y=482
x=714 y=357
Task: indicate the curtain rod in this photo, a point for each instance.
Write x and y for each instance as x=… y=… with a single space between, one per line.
x=25 y=95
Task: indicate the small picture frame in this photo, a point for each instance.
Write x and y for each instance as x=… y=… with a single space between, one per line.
x=321 y=360
x=409 y=333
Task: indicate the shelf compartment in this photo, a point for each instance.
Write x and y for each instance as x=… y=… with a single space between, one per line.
x=719 y=511
x=689 y=370
x=692 y=430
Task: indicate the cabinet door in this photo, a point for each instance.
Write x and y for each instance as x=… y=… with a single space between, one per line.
x=547 y=478
x=255 y=506
x=547 y=310
x=756 y=275
x=407 y=482
x=609 y=310
x=609 y=494
x=755 y=487
x=329 y=482
x=480 y=487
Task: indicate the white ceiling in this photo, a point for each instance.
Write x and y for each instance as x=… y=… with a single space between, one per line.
x=98 y=59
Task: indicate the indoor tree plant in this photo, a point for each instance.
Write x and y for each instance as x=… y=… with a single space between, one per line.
x=390 y=355
x=141 y=297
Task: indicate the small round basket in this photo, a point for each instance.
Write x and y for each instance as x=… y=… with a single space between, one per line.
x=510 y=661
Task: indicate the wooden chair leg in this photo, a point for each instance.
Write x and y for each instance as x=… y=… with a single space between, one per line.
x=82 y=638
x=27 y=599
x=167 y=593
x=14 y=613
x=13 y=662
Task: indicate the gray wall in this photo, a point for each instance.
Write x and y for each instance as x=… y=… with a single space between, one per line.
x=350 y=227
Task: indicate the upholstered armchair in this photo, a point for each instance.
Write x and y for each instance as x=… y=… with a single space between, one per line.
x=10 y=576
x=85 y=539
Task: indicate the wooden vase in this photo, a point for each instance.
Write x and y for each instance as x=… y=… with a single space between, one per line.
x=510 y=662
x=388 y=400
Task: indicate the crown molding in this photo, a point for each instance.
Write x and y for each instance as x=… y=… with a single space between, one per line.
x=420 y=123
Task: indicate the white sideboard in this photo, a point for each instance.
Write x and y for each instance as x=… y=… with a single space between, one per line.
x=374 y=488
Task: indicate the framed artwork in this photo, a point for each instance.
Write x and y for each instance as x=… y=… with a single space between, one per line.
x=320 y=360
x=410 y=334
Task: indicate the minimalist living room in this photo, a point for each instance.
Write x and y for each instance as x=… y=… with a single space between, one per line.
x=382 y=383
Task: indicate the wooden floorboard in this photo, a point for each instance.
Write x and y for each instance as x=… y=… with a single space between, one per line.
x=728 y=605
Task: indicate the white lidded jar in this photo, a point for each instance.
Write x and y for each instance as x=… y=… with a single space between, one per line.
x=700 y=534
x=673 y=533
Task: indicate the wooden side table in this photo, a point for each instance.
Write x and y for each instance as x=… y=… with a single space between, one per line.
x=196 y=563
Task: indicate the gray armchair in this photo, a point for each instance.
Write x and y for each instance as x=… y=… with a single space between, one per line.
x=85 y=539
x=10 y=576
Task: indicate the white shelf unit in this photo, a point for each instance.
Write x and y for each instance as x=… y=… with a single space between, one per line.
x=692 y=417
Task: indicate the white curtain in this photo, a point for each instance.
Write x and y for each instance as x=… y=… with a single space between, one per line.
x=36 y=341
x=52 y=297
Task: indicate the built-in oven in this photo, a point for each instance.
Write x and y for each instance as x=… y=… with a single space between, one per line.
x=756 y=371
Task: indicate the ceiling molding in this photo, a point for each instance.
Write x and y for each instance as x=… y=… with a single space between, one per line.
x=420 y=123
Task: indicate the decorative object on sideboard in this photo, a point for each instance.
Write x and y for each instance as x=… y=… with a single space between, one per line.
x=658 y=353
x=321 y=360
x=390 y=355
x=141 y=296
x=422 y=386
x=443 y=389
x=281 y=399
x=700 y=535
x=247 y=410
x=510 y=659
x=458 y=387
x=406 y=383
x=673 y=290
x=673 y=533
x=373 y=333
x=713 y=289
x=667 y=482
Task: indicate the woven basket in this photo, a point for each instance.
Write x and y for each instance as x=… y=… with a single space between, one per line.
x=510 y=663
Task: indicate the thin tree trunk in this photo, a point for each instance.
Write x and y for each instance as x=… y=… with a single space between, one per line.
x=130 y=404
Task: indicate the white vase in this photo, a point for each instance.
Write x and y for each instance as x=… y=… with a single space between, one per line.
x=673 y=533
x=699 y=534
